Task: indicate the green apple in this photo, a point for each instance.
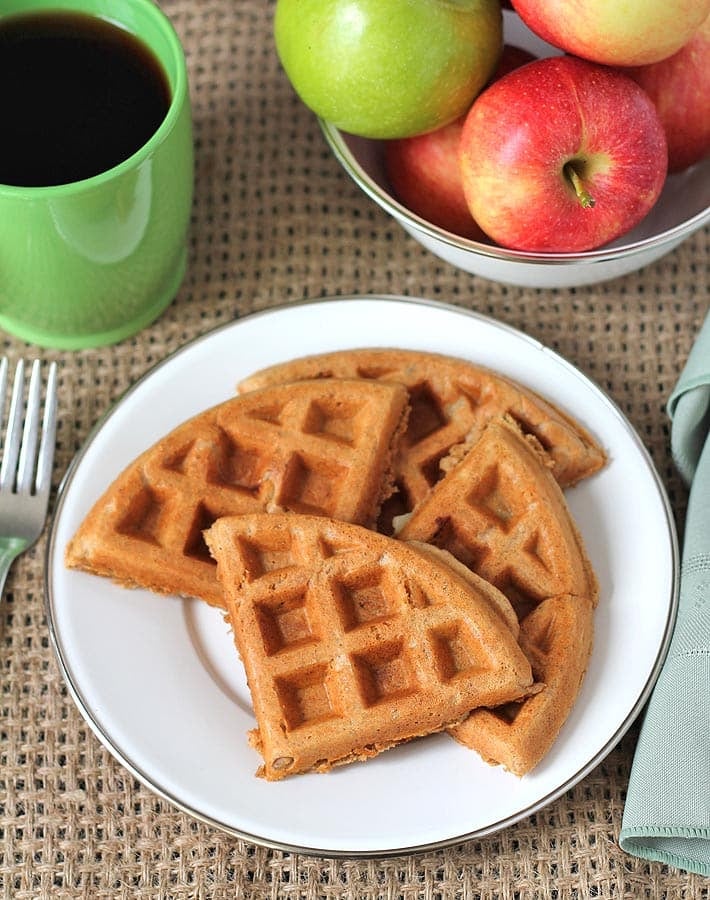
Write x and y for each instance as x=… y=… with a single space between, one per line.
x=388 y=68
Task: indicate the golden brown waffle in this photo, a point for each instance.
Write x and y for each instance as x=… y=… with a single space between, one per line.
x=318 y=447
x=501 y=513
x=452 y=400
x=557 y=638
x=352 y=641
x=498 y=601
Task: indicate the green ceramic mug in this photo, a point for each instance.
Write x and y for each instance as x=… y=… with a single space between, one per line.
x=91 y=262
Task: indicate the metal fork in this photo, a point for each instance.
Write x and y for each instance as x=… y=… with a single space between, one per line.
x=27 y=456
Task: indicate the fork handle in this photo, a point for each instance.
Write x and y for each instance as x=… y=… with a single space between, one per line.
x=10 y=549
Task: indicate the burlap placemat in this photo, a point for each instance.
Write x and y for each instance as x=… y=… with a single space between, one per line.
x=275 y=220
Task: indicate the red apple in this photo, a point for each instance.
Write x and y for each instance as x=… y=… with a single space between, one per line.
x=424 y=170
x=614 y=33
x=424 y=175
x=562 y=155
x=680 y=89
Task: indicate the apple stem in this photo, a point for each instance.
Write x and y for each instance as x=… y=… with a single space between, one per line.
x=583 y=195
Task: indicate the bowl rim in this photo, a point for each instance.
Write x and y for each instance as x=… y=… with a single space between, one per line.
x=336 y=140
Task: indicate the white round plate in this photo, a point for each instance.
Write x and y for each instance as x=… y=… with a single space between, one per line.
x=159 y=681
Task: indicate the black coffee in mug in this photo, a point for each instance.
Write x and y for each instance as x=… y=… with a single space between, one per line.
x=78 y=95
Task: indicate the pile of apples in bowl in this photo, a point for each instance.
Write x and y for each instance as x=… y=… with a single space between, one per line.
x=552 y=143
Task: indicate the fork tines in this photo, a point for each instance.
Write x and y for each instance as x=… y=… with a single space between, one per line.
x=27 y=448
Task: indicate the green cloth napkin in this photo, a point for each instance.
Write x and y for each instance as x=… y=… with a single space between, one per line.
x=667 y=812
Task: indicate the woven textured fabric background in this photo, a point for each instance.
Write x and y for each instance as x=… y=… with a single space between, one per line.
x=275 y=220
